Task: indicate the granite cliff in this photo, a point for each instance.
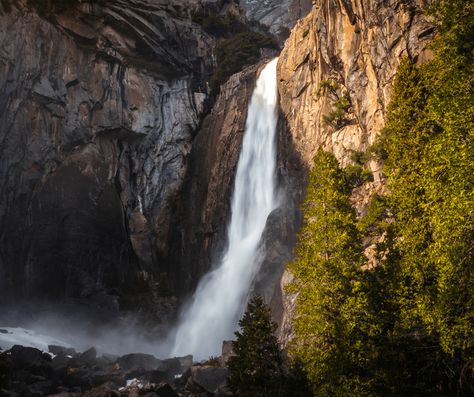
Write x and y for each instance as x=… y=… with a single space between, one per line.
x=99 y=107
x=113 y=193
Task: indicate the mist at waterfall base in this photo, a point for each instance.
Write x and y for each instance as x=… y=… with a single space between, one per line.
x=213 y=313
x=34 y=323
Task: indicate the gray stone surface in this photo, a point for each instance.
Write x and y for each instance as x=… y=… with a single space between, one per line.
x=98 y=111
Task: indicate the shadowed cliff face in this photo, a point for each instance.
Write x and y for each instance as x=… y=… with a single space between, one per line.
x=99 y=107
x=202 y=217
x=343 y=49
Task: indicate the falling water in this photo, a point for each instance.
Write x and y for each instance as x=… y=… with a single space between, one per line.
x=218 y=301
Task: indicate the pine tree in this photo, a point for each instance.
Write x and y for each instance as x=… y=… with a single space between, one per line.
x=429 y=146
x=332 y=322
x=257 y=368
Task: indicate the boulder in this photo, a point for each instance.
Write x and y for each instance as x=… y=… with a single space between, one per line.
x=86 y=359
x=165 y=390
x=208 y=378
x=61 y=350
x=28 y=357
x=139 y=361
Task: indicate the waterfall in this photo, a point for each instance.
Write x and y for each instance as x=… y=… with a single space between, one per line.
x=218 y=302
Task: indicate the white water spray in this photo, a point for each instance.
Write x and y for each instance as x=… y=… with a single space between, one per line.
x=219 y=299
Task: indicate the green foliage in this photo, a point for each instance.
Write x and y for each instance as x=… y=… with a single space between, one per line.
x=357 y=175
x=219 y=25
x=257 y=368
x=405 y=327
x=337 y=117
x=455 y=21
x=359 y=157
x=236 y=52
x=332 y=322
x=328 y=85
x=430 y=168
x=377 y=212
x=377 y=149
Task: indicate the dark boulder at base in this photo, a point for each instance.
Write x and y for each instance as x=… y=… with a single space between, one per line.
x=207 y=378
x=32 y=373
x=137 y=361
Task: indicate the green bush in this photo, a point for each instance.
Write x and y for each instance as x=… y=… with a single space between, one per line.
x=337 y=117
x=327 y=85
x=359 y=157
x=357 y=175
x=219 y=25
x=376 y=212
x=377 y=150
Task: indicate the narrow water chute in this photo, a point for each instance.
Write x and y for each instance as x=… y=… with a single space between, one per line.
x=213 y=313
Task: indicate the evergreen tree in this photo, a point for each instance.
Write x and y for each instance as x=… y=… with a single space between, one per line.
x=332 y=322
x=257 y=368
x=430 y=167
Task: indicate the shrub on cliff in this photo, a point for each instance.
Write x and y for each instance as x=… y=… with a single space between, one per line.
x=219 y=25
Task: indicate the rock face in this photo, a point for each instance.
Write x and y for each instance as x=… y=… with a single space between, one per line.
x=358 y=49
x=278 y=15
x=108 y=195
x=99 y=107
x=344 y=50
